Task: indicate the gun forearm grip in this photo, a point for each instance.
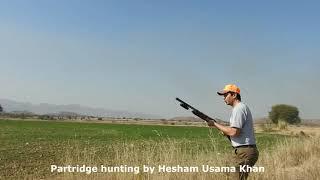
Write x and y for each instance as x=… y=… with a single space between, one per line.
x=201 y=115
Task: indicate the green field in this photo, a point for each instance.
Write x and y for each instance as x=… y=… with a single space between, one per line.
x=28 y=148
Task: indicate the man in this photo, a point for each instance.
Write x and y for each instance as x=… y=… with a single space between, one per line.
x=240 y=130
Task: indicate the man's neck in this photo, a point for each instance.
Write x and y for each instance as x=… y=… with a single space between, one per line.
x=235 y=103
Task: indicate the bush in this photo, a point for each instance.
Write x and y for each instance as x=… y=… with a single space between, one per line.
x=46 y=117
x=287 y=113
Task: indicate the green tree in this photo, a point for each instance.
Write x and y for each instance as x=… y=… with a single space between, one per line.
x=287 y=113
x=1 y=109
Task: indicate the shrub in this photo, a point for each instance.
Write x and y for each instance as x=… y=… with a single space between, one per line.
x=287 y=113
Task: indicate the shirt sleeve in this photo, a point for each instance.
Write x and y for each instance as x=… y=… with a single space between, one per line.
x=237 y=119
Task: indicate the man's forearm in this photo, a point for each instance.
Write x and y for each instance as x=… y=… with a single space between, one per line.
x=229 y=131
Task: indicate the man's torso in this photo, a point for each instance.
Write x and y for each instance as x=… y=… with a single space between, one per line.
x=241 y=118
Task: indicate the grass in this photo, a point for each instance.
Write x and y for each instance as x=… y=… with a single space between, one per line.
x=28 y=148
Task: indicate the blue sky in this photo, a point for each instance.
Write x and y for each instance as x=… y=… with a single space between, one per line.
x=140 y=55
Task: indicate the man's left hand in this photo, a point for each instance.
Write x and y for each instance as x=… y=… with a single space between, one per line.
x=211 y=123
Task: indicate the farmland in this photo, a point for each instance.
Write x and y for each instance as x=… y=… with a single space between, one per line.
x=29 y=148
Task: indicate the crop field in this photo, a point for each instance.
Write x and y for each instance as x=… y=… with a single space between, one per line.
x=28 y=149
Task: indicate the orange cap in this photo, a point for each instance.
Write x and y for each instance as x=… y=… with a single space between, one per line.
x=229 y=88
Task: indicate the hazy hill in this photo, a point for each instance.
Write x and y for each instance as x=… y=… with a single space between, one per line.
x=45 y=108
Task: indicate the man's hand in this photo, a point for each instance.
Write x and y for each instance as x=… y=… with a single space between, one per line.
x=211 y=123
x=222 y=133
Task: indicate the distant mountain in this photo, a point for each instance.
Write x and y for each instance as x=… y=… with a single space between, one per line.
x=45 y=108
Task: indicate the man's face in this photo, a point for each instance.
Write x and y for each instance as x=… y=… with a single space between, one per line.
x=229 y=98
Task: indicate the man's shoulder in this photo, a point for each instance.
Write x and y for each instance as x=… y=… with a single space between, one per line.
x=241 y=105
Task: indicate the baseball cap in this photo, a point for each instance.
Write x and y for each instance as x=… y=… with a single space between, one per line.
x=229 y=88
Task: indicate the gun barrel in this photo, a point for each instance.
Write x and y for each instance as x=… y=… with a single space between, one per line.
x=195 y=111
x=185 y=104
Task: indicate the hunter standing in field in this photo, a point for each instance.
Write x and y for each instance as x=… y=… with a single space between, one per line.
x=240 y=130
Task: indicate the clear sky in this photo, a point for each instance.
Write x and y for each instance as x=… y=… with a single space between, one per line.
x=139 y=55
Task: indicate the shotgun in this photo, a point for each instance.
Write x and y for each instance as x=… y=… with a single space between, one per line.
x=196 y=112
